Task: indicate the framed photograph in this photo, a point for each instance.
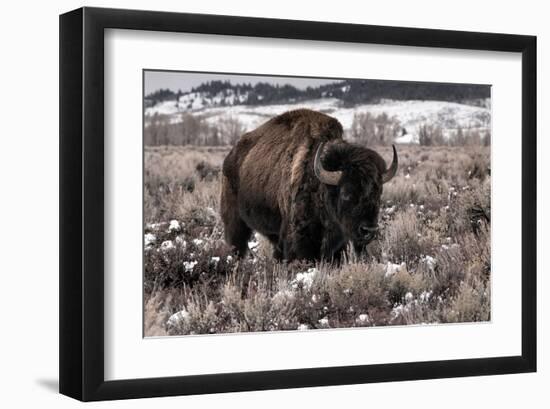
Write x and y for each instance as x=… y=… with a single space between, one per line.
x=252 y=204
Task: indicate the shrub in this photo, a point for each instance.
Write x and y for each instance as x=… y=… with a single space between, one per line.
x=191 y=129
x=431 y=263
x=430 y=135
x=371 y=129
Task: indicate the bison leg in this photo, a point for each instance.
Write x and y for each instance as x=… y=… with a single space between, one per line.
x=277 y=249
x=301 y=243
x=237 y=232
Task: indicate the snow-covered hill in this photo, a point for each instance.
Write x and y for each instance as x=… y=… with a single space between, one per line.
x=411 y=114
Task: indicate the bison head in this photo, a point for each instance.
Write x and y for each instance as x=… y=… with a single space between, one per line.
x=354 y=176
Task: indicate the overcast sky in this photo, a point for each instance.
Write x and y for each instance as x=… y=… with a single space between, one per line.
x=155 y=80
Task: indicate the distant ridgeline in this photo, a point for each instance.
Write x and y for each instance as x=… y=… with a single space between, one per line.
x=350 y=92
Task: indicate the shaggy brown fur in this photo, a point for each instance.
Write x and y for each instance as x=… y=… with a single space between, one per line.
x=269 y=186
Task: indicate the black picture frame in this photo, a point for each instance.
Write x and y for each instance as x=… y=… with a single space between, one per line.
x=81 y=285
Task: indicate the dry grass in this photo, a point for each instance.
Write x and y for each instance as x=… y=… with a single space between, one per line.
x=431 y=264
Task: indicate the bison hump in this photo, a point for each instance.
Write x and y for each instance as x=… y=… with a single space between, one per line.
x=306 y=123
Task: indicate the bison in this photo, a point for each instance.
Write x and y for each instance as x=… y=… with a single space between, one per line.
x=297 y=182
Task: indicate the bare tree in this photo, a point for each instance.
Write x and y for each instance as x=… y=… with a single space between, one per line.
x=374 y=129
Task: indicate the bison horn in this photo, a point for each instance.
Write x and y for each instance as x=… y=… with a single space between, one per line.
x=325 y=176
x=392 y=170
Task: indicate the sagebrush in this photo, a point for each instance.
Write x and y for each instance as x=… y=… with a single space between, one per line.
x=431 y=263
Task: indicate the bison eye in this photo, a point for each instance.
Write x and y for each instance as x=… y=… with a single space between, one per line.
x=346 y=196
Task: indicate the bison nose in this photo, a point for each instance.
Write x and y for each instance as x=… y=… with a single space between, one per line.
x=367 y=232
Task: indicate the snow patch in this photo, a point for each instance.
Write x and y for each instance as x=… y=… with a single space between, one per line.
x=149 y=239
x=411 y=114
x=167 y=245
x=189 y=265
x=363 y=319
x=304 y=280
x=398 y=310
x=283 y=295
x=174 y=226
x=392 y=268
x=425 y=296
x=178 y=318
x=430 y=262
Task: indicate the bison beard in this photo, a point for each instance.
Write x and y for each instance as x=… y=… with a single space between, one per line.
x=298 y=183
